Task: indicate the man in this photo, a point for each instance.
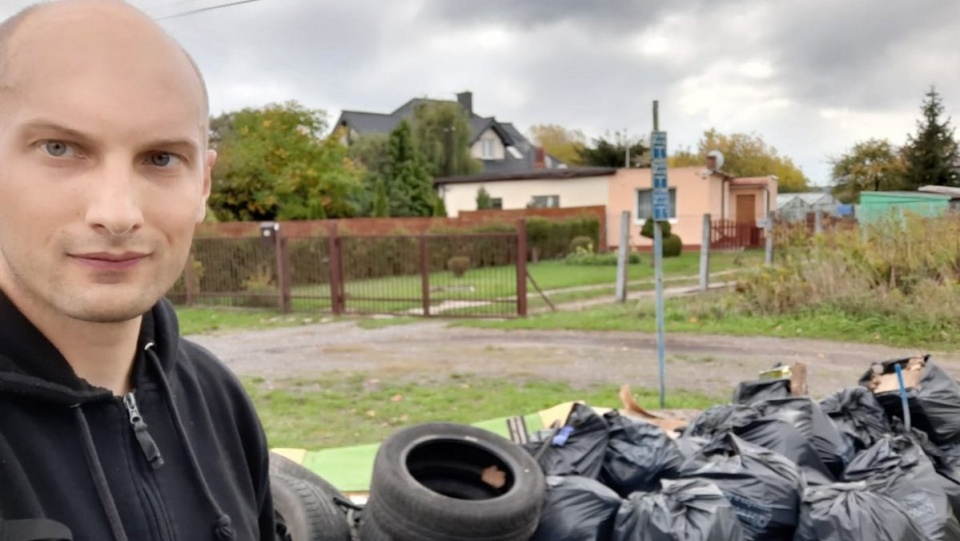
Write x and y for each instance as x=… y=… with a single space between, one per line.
x=112 y=427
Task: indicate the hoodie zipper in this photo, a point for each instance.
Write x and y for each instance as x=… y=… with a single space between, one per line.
x=151 y=452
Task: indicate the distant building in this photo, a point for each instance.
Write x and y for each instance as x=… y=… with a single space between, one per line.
x=498 y=145
x=796 y=207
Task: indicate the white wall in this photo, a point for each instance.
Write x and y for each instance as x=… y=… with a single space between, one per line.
x=498 y=151
x=573 y=192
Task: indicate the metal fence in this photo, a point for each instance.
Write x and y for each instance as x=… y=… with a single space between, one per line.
x=451 y=275
x=731 y=235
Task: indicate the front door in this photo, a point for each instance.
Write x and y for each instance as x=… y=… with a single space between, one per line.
x=747 y=209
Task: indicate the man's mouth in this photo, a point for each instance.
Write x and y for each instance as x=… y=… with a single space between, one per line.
x=110 y=260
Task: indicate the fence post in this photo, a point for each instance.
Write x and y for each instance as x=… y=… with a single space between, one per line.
x=190 y=281
x=522 y=267
x=705 y=253
x=768 y=231
x=818 y=222
x=336 y=269
x=283 y=264
x=622 y=258
x=425 y=275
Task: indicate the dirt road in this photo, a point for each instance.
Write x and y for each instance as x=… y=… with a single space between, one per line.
x=709 y=364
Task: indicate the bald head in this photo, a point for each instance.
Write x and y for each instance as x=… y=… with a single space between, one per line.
x=80 y=14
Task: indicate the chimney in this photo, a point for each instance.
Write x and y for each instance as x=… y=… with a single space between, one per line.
x=465 y=99
x=540 y=158
x=712 y=163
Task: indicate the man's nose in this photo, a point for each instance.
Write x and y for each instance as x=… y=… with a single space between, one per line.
x=114 y=201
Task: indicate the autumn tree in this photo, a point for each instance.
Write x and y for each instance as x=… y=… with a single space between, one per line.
x=931 y=156
x=442 y=132
x=274 y=164
x=559 y=142
x=871 y=165
x=744 y=155
x=613 y=153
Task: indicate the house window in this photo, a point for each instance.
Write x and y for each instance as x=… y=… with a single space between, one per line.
x=496 y=203
x=487 y=149
x=545 y=202
x=645 y=204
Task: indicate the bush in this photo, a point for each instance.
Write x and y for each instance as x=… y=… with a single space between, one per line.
x=458 y=265
x=647 y=230
x=552 y=238
x=602 y=259
x=581 y=242
x=672 y=246
x=259 y=289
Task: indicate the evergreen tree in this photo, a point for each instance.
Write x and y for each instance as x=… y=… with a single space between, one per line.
x=381 y=206
x=931 y=156
x=483 y=199
x=409 y=183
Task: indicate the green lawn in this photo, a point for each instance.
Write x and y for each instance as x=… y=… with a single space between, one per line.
x=352 y=409
x=681 y=315
x=400 y=294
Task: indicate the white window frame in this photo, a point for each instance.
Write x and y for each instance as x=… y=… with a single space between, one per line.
x=674 y=206
x=487 y=149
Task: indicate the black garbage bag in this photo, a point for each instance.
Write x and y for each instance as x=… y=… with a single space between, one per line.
x=806 y=416
x=575 y=449
x=577 y=509
x=638 y=454
x=897 y=468
x=945 y=462
x=857 y=415
x=718 y=420
x=764 y=487
x=847 y=511
x=689 y=446
x=934 y=404
x=685 y=510
x=748 y=392
x=782 y=438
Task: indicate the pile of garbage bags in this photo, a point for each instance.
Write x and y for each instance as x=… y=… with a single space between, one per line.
x=867 y=462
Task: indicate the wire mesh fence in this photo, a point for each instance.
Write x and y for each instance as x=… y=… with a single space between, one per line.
x=456 y=275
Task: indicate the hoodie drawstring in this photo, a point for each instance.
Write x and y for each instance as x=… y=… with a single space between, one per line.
x=100 y=478
x=222 y=527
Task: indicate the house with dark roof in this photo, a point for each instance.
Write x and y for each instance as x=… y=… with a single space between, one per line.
x=498 y=145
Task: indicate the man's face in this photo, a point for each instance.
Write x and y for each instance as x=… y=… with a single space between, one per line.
x=103 y=170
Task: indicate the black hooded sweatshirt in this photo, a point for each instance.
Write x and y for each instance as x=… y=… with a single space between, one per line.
x=182 y=457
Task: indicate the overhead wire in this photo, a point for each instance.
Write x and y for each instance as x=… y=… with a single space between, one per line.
x=208 y=8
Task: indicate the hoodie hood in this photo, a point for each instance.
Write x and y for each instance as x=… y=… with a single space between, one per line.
x=32 y=367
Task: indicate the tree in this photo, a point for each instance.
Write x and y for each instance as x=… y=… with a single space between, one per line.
x=483 y=199
x=443 y=134
x=274 y=165
x=744 y=155
x=408 y=183
x=559 y=142
x=931 y=156
x=370 y=152
x=872 y=165
x=606 y=153
x=381 y=206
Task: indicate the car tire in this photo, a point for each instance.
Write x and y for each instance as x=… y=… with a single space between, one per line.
x=305 y=512
x=282 y=465
x=370 y=530
x=428 y=485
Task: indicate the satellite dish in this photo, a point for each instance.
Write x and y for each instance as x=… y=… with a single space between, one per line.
x=717 y=157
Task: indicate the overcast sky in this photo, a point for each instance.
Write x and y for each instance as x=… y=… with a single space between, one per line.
x=811 y=76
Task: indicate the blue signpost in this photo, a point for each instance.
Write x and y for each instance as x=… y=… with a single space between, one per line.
x=661 y=212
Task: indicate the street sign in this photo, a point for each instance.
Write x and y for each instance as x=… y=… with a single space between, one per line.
x=658 y=166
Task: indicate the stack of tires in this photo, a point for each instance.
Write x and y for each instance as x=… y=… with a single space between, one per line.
x=431 y=482
x=306 y=507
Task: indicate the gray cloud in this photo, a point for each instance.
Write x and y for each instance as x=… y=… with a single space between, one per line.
x=812 y=76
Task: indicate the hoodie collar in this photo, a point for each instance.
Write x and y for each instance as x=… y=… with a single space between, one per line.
x=31 y=366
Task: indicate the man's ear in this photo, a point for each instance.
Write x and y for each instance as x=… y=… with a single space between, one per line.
x=208 y=163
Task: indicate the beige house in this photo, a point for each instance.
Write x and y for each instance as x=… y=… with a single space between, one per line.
x=742 y=204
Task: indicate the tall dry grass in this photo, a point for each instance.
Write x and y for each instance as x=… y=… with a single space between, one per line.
x=906 y=267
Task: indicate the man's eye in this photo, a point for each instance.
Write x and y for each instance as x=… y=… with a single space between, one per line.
x=57 y=149
x=163 y=159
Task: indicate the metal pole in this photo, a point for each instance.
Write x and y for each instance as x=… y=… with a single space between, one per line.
x=768 y=227
x=658 y=272
x=622 y=262
x=705 y=254
x=522 y=267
